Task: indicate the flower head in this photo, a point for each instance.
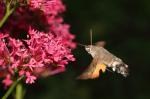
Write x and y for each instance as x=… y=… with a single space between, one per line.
x=37 y=44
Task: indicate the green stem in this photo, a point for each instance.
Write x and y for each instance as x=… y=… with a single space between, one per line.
x=9 y=11
x=12 y=87
x=19 y=91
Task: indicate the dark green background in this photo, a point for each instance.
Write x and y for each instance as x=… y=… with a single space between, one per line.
x=125 y=26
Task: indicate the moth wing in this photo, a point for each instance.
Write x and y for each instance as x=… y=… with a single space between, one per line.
x=93 y=70
x=100 y=43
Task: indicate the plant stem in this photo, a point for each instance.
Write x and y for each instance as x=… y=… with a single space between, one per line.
x=12 y=87
x=19 y=91
x=9 y=11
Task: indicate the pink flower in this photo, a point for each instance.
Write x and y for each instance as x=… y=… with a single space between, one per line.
x=35 y=3
x=35 y=42
x=21 y=72
x=29 y=78
x=52 y=7
x=4 y=55
x=7 y=81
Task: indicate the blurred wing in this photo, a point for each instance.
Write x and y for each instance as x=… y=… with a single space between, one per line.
x=93 y=70
x=100 y=43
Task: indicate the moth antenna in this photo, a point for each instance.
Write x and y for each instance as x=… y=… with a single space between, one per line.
x=81 y=44
x=91 y=34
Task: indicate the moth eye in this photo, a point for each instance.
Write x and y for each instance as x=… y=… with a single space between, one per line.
x=88 y=49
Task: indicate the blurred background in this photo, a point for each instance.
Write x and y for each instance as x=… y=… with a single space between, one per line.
x=125 y=26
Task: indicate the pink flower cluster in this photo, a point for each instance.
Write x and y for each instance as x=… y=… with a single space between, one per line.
x=35 y=42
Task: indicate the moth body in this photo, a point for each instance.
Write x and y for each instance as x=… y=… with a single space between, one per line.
x=105 y=57
x=101 y=60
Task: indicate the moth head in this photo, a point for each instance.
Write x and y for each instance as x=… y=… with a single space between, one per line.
x=91 y=49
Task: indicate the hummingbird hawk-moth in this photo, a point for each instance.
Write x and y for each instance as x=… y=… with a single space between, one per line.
x=102 y=59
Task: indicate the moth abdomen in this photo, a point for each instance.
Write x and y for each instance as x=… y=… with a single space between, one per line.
x=120 y=67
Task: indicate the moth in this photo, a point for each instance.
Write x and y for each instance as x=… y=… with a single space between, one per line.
x=102 y=59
